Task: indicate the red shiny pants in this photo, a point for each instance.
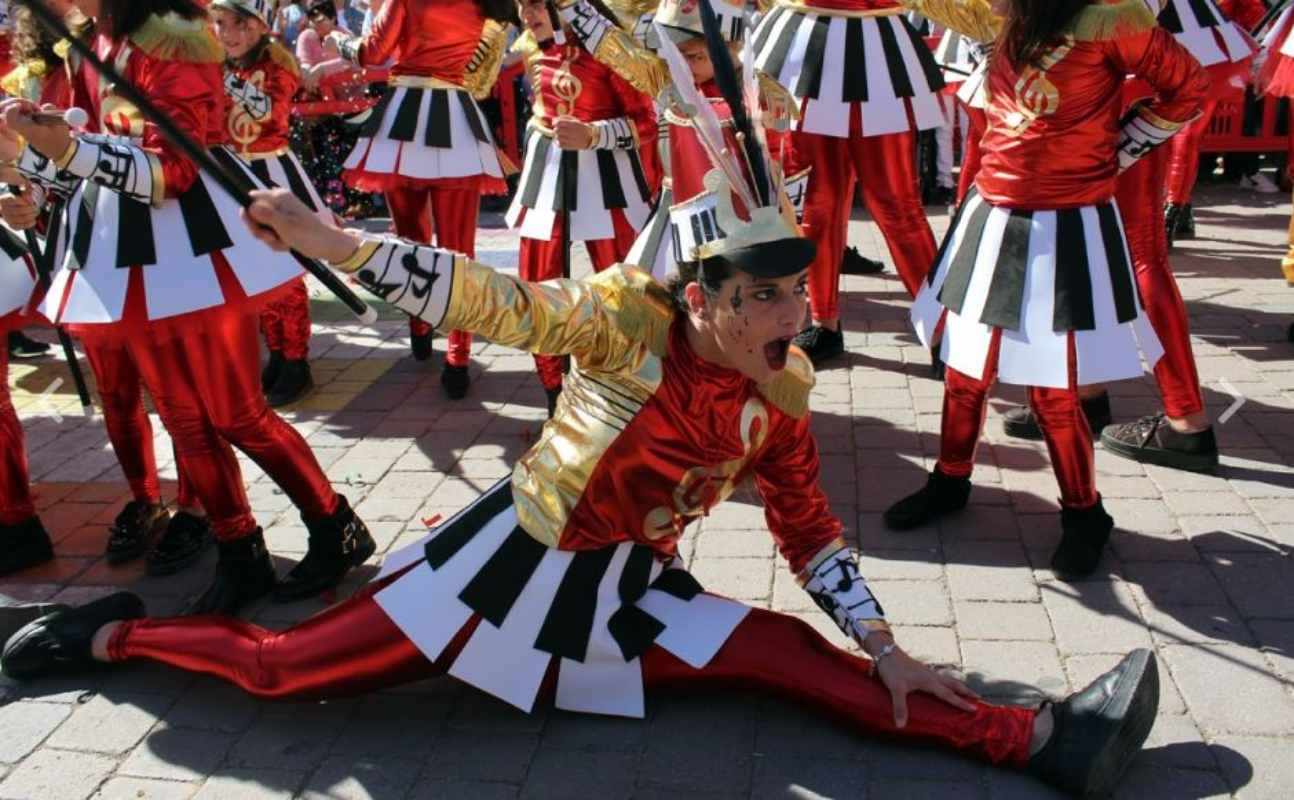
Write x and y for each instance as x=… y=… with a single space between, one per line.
x=354 y=647
x=121 y=395
x=1184 y=167
x=1059 y=413
x=886 y=168
x=206 y=386
x=419 y=212
x=1141 y=199
x=970 y=159
x=541 y=260
x=15 y=484
x=285 y=323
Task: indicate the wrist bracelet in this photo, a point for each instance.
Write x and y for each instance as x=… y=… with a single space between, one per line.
x=887 y=650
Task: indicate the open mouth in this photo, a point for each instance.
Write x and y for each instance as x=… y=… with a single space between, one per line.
x=775 y=353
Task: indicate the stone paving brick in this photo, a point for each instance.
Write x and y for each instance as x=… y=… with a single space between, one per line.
x=551 y=776
x=1094 y=617
x=989 y=571
x=215 y=706
x=251 y=784
x=1010 y=670
x=293 y=741
x=1258 y=584
x=50 y=774
x=914 y=602
x=351 y=778
x=1175 y=741
x=931 y=644
x=110 y=724
x=483 y=756
x=810 y=778
x=1141 y=781
x=1254 y=701
x=693 y=750
x=749 y=579
x=1220 y=624
x=144 y=789
x=1256 y=768
x=26 y=725
x=177 y=754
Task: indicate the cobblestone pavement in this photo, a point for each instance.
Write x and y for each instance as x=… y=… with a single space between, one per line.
x=1200 y=570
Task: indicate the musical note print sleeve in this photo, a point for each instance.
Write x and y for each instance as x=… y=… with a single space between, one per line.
x=254 y=100
x=1180 y=86
x=118 y=164
x=45 y=173
x=837 y=586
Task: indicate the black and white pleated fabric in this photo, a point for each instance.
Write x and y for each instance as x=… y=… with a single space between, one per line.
x=106 y=236
x=285 y=171
x=829 y=63
x=593 y=611
x=958 y=52
x=1200 y=27
x=426 y=133
x=588 y=184
x=17 y=274
x=1037 y=275
x=652 y=250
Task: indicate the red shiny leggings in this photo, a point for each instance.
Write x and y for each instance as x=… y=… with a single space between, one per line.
x=206 y=386
x=541 y=260
x=1059 y=413
x=1184 y=167
x=354 y=647
x=970 y=159
x=886 y=167
x=15 y=484
x=450 y=215
x=121 y=394
x=1141 y=198
x=285 y=323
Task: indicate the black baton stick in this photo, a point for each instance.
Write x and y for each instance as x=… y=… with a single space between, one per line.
x=44 y=258
x=236 y=186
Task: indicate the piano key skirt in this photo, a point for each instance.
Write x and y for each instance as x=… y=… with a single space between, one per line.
x=128 y=262
x=17 y=280
x=1277 y=76
x=834 y=61
x=599 y=181
x=282 y=169
x=422 y=130
x=592 y=612
x=1038 y=276
x=1201 y=28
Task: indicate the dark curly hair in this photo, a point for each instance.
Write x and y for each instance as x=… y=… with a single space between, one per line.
x=1034 y=27
x=710 y=274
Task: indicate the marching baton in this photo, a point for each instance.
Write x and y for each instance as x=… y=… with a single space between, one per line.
x=237 y=186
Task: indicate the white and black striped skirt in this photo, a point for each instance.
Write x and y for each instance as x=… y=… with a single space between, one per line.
x=593 y=611
x=1200 y=27
x=830 y=63
x=17 y=275
x=282 y=169
x=652 y=250
x=596 y=182
x=1037 y=276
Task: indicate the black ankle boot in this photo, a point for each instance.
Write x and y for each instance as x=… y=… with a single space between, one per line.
x=820 y=344
x=853 y=262
x=294 y=382
x=24 y=545
x=1085 y=532
x=1020 y=423
x=941 y=495
x=186 y=538
x=938 y=369
x=1100 y=729
x=270 y=373
x=60 y=642
x=244 y=572
x=1172 y=218
x=455 y=381
x=1186 y=223
x=553 y=394
x=338 y=543
x=135 y=530
x=420 y=344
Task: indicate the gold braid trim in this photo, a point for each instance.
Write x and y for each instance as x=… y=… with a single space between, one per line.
x=284 y=58
x=1112 y=19
x=790 y=390
x=483 y=69
x=170 y=37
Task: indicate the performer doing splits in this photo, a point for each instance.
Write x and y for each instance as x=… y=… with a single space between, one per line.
x=1033 y=284
x=564 y=581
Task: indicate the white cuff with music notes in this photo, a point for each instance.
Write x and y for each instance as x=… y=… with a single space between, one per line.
x=617 y=133
x=1142 y=132
x=44 y=172
x=117 y=164
x=833 y=581
x=589 y=25
x=414 y=278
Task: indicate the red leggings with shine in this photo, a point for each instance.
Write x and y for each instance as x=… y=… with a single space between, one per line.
x=449 y=214
x=354 y=647
x=541 y=260
x=15 y=484
x=886 y=167
x=285 y=323
x=1184 y=166
x=1059 y=413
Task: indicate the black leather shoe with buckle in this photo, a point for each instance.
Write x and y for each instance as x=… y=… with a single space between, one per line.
x=338 y=543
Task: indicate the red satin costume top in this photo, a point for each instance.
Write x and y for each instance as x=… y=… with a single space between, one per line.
x=275 y=75
x=1246 y=12
x=852 y=5
x=602 y=94
x=430 y=38
x=1052 y=136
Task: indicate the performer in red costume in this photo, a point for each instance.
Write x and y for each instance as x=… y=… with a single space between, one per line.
x=1277 y=79
x=865 y=83
x=582 y=166
x=143 y=526
x=1217 y=34
x=261 y=77
x=564 y=583
x=427 y=145
x=171 y=276
x=1033 y=284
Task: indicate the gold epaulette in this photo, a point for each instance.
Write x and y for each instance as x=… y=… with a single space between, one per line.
x=1112 y=19
x=283 y=57
x=483 y=68
x=642 y=309
x=525 y=44
x=170 y=37
x=790 y=390
x=628 y=11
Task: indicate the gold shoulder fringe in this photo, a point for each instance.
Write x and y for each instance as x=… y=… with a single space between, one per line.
x=1111 y=19
x=525 y=44
x=172 y=38
x=284 y=58
x=641 y=307
x=790 y=390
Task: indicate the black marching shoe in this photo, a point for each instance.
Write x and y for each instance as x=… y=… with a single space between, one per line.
x=1020 y=423
x=15 y=618
x=1186 y=224
x=270 y=372
x=941 y=495
x=135 y=530
x=244 y=573
x=455 y=381
x=24 y=545
x=1172 y=218
x=820 y=344
x=420 y=344
x=553 y=394
x=1099 y=729
x=294 y=382
x=938 y=369
x=186 y=538
x=60 y=642
x=853 y=262
x=1152 y=440
x=1084 y=534
x=338 y=543
x=22 y=346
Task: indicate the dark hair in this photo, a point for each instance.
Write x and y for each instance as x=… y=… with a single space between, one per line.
x=501 y=11
x=1034 y=27
x=326 y=8
x=32 y=41
x=711 y=277
x=120 y=18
